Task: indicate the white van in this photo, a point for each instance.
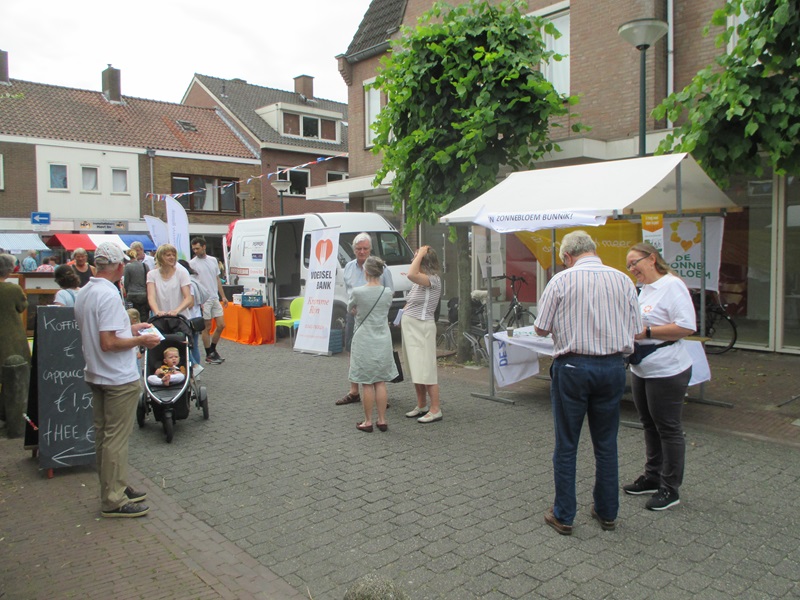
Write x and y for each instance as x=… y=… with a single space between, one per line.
x=272 y=255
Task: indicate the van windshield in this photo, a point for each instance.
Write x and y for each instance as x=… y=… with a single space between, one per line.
x=388 y=245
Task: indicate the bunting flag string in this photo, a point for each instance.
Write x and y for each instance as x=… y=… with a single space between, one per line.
x=278 y=173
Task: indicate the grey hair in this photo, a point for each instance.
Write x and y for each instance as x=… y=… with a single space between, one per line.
x=79 y=251
x=373 y=267
x=576 y=243
x=137 y=245
x=362 y=237
x=6 y=264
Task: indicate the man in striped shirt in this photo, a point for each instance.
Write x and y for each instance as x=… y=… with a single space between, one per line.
x=593 y=313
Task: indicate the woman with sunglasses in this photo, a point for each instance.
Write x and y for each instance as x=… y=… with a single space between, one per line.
x=660 y=380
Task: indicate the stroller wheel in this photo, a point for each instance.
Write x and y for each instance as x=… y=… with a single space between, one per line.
x=141 y=410
x=166 y=421
x=202 y=398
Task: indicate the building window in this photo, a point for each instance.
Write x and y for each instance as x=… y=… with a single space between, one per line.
x=557 y=71
x=89 y=179
x=337 y=176
x=308 y=126
x=209 y=194
x=119 y=181
x=734 y=21
x=372 y=106
x=299 y=178
x=187 y=125
x=58 y=177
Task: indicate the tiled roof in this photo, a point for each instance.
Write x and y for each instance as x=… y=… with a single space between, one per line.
x=243 y=99
x=381 y=17
x=60 y=113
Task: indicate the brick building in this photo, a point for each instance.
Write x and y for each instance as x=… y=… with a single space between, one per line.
x=291 y=131
x=93 y=159
x=603 y=70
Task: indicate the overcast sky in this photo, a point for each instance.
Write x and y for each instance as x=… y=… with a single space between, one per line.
x=160 y=44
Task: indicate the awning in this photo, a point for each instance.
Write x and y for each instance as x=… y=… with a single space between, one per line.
x=71 y=241
x=539 y=199
x=99 y=238
x=129 y=238
x=20 y=242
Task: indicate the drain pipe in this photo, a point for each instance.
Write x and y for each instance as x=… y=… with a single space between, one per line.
x=670 y=52
x=151 y=155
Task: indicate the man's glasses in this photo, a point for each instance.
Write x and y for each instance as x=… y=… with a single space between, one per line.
x=636 y=262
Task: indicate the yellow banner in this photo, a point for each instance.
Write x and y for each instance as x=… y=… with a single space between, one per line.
x=613 y=239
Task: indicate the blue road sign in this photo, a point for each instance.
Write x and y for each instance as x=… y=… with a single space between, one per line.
x=40 y=218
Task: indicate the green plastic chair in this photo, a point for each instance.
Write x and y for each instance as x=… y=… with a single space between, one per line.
x=295 y=310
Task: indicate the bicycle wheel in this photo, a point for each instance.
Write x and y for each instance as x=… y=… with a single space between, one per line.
x=521 y=318
x=721 y=330
x=447 y=340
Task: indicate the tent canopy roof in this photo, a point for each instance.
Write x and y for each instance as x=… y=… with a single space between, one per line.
x=641 y=185
x=20 y=242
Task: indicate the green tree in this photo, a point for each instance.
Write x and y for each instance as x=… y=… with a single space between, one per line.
x=743 y=110
x=466 y=96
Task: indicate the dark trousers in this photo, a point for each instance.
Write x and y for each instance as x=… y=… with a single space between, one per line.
x=586 y=386
x=659 y=401
x=140 y=304
x=349 y=330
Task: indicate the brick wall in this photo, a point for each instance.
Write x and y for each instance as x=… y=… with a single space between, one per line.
x=165 y=167
x=18 y=199
x=271 y=160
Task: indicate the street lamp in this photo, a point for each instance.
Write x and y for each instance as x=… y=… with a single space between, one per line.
x=281 y=185
x=641 y=34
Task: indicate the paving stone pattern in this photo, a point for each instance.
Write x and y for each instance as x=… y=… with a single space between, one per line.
x=278 y=496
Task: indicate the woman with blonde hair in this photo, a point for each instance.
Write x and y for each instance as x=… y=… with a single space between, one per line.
x=169 y=289
x=660 y=372
x=418 y=327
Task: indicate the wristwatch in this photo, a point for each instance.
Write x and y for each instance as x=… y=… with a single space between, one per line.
x=648 y=333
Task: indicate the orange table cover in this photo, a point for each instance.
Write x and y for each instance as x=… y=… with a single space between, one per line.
x=253 y=326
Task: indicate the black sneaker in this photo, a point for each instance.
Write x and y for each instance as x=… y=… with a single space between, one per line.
x=133 y=495
x=210 y=359
x=643 y=485
x=662 y=500
x=129 y=511
x=216 y=355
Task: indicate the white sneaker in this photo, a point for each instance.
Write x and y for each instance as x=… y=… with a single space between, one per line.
x=417 y=412
x=197 y=369
x=430 y=417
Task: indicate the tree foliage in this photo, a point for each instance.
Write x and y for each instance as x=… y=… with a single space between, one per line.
x=745 y=107
x=465 y=97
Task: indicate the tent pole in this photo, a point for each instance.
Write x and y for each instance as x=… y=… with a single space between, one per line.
x=490 y=326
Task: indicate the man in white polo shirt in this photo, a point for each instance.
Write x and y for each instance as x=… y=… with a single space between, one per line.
x=207 y=268
x=109 y=347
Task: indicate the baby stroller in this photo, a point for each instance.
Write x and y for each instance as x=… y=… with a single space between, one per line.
x=170 y=403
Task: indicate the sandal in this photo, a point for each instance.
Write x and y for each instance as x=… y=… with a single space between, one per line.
x=364 y=428
x=349 y=399
x=383 y=426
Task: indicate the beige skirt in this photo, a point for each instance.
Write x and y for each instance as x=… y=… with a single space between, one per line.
x=419 y=350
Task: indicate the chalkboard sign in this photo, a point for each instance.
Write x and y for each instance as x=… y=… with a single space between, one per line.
x=66 y=430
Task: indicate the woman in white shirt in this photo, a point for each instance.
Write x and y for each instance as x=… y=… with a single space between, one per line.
x=660 y=379
x=168 y=287
x=418 y=328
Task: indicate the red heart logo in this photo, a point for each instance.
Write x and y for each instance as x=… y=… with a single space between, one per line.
x=324 y=250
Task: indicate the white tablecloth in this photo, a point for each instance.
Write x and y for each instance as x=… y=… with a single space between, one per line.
x=517 y=358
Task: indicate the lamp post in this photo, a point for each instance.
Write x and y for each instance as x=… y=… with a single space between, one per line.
x=281 y=185
x=243 y=198
x=641 y=34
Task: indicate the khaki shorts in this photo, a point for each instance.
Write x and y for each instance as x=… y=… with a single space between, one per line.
x=212 y=309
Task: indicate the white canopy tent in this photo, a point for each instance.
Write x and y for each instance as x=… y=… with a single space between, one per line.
x=586 y=195
x=532 y=200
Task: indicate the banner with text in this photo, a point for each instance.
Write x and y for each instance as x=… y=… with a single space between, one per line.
x=534 y=221
x=315 y=322
x=158 y=230
x=682 y=249
x=653 y=231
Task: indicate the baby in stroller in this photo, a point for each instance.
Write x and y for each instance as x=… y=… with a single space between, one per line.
x=171 y=371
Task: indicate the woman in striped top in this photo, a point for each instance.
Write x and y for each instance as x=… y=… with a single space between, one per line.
x=419 y=333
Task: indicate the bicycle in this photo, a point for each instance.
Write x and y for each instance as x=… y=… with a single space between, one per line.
x=516 y=315
x=720 y=328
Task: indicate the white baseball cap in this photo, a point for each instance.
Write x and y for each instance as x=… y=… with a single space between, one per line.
x=108 y=253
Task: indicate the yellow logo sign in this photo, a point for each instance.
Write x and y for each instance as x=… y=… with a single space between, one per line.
x=686 y=233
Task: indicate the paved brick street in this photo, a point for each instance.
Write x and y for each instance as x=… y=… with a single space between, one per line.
x=279 y=496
